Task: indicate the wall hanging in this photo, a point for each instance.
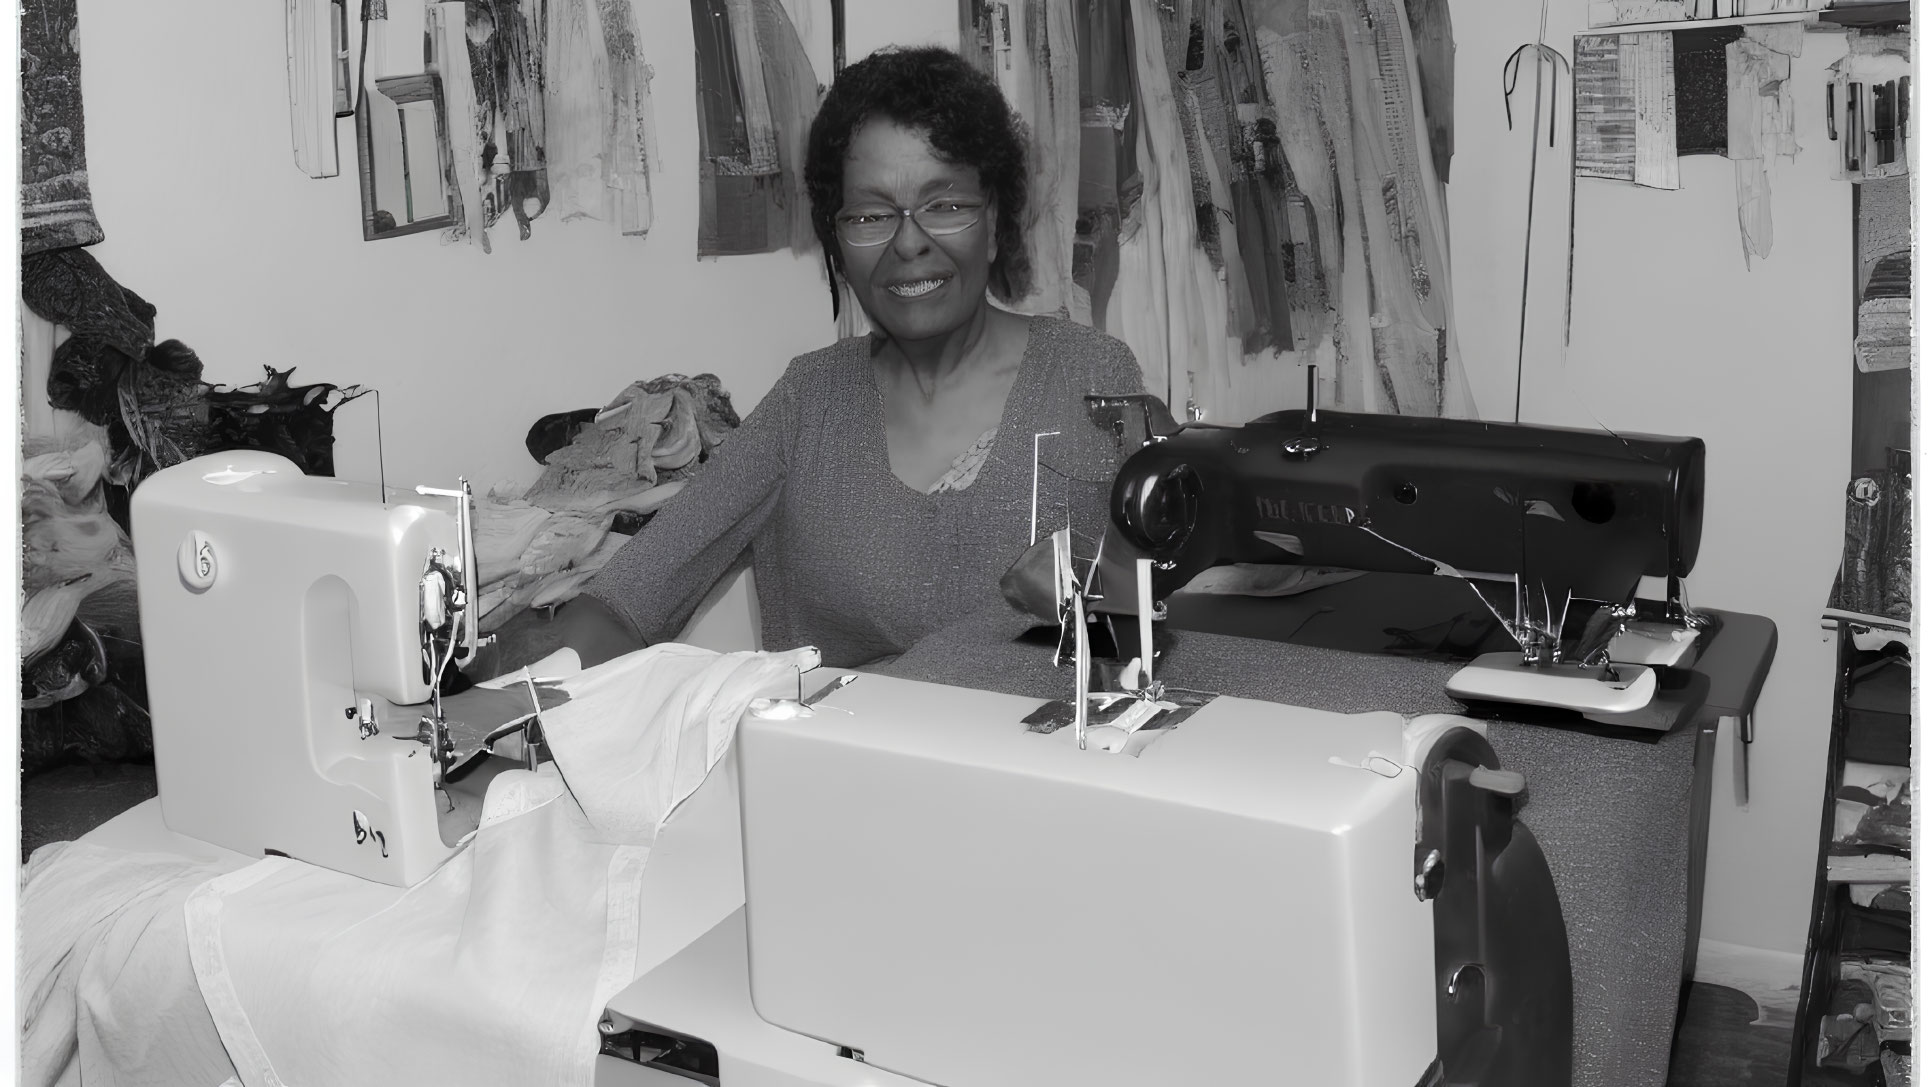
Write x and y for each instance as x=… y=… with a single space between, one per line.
x=1240 y=190
x=757 y=94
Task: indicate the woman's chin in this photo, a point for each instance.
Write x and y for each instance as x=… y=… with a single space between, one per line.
x=926 y=317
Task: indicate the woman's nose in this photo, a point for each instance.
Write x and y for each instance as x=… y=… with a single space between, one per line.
x=911 y=239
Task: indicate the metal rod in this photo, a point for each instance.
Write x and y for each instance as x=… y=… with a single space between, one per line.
x=1033 y=524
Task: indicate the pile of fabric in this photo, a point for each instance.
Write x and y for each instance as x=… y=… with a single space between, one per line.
x=105 y=408
x=77 y=593
x=605 y=473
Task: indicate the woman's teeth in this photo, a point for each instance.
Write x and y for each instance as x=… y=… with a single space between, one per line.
x=914 y=290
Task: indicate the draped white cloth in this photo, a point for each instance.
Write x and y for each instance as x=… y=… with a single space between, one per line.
x=153 y=969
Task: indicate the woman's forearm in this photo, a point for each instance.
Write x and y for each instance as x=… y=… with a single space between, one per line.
x=589 y=627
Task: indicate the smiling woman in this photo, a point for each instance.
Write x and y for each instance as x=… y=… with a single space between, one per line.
x=886 y=482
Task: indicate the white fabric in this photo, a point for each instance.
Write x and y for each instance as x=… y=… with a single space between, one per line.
x=107 y=996
x=157 y=969
x=495 y=969
x=683 y=705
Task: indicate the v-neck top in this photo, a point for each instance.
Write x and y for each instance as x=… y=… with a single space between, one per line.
x=845 y=555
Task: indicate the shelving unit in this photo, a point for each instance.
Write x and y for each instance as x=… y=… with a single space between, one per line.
x=1858 y=959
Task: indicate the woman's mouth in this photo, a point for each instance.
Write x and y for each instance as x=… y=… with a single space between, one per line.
x=916 y=288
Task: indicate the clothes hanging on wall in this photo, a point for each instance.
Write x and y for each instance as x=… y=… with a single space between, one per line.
x=1033 y=54
x=597 y=114
x=756 y=97
x=56 y=206
x=506 y=43
x=1259 y=188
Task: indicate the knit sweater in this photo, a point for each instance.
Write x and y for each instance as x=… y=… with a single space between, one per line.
x=845 y=555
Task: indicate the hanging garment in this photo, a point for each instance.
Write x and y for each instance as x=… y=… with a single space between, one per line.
x=1110 y=180
x=1030 y=48
x=506 y=44
x=1259 y=191
x=756 y=97
x=597 y=114
x=56 y=205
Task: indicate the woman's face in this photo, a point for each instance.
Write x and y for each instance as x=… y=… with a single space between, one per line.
x=915 y=286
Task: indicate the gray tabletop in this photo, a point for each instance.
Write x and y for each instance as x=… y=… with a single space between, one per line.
x=1612 y=814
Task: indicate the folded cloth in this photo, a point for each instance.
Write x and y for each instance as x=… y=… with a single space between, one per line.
x=680 y=707
x=107 y=994
x=495 y=969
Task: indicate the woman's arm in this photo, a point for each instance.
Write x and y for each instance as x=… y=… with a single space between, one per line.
x=648 y=591
x=595 y=631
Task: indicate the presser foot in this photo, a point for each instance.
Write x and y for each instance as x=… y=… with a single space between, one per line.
x=1656 y=644
x=1503 y=677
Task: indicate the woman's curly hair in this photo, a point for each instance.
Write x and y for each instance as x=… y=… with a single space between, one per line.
x=965 y=118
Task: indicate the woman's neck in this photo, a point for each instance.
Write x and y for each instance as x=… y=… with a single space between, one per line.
x=930 y=362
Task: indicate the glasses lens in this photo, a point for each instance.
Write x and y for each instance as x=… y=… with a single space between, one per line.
x=876 y=226
x=867 y=226
x=947 y=216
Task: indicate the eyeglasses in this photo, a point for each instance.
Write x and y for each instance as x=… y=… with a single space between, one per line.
x=878 y=225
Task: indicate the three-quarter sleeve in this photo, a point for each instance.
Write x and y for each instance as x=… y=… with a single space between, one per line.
x=659 y=578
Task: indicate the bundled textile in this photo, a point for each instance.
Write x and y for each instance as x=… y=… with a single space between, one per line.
x=56 y=205
x=757 y=94
x=1875 y=567
x=1256 y=187
x=122 y=407
x=150 y=397
x=605 y=471
x=1873 y=810
x=1870 y=1013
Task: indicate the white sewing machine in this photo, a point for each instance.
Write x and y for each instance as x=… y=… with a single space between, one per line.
x=938 y=893
x=285 y=618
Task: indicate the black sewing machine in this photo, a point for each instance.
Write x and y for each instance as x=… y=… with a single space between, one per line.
x=1553 y=529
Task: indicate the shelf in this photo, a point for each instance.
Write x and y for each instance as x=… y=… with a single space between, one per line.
x=1871 y=724
x=1703 y=24
x=1878 y=714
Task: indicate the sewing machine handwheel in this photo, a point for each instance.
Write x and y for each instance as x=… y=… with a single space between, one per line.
x=1159 y=512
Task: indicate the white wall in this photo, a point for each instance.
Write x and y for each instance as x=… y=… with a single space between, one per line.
x=1674 y=334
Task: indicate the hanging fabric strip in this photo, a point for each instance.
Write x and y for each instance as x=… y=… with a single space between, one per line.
x=1110 y=181
x=576 y=106
x=756 y=97
x=1029 y=48
x=506 y=46
x=56 y=205
x=631 y=143
x=518 y=57
x=597 y=112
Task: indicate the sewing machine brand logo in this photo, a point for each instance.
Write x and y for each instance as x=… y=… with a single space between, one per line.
x=1297 y=512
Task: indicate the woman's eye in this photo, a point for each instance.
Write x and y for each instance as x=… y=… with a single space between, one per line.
x=860 y=218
